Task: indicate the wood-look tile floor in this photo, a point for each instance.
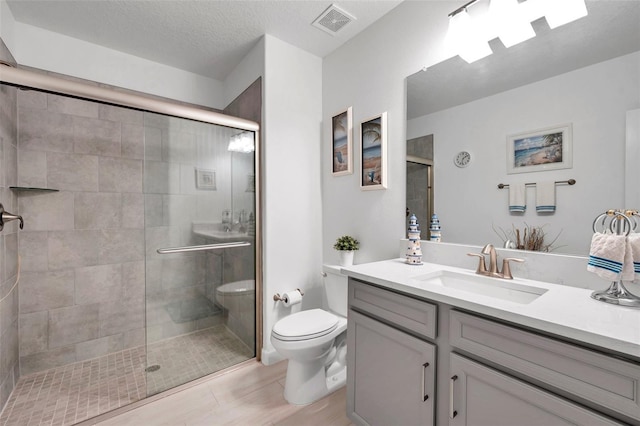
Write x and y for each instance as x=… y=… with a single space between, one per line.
x=249 y=395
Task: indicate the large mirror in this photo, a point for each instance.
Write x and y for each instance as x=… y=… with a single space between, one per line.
x=584 y=76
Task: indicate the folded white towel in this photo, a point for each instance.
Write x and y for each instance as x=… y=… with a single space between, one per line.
x=634 y=243
x=546 y=197
x=517 y=198
x=606 y=255
x=628 y=273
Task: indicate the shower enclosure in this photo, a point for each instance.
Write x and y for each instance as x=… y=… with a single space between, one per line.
x=139 y=214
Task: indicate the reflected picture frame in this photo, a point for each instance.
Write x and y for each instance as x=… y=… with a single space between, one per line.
x=540 y=150
x=373 y=153
x=342 y=143
x=205 y=179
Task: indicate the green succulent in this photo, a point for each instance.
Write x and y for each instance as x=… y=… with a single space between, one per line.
x=346 y=243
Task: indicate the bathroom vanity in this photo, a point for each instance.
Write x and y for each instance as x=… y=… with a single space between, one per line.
x=433 y=344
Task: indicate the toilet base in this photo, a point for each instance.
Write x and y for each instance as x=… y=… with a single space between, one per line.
x=307 y=383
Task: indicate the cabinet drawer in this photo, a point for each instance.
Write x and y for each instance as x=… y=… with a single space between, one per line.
x=483 y=396
x=608 y=382
x=406 y=312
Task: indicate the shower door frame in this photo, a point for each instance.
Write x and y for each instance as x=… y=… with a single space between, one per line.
x=53 y=84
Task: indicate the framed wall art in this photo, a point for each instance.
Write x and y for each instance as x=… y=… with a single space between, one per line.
x=373 y=153
x=540 y=150
x=205 y=179
x=341 y=143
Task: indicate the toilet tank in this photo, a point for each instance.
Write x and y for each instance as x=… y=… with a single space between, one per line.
x=335 y=286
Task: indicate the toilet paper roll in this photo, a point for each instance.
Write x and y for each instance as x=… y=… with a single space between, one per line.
x=291 y=298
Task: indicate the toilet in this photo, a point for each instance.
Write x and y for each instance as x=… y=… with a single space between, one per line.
x=238 y=298
x=314 y=342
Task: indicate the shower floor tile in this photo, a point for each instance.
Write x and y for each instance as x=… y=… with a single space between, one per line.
x=79 y=391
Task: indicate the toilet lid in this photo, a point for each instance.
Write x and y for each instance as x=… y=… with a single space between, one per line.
x=305 y=325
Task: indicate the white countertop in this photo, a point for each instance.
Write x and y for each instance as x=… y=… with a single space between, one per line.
x=562 y=310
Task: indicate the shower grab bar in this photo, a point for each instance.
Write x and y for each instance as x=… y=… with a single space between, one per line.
x=204 y=247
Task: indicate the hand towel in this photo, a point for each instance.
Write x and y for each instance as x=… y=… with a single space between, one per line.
x=634 y=244
x=517 y=198
x=606 y=255
x=546 y=197
x=628 y=273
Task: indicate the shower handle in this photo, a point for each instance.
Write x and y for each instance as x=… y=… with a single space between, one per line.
x=5 y=216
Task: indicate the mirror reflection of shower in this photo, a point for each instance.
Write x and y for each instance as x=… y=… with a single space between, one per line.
x=420 y=188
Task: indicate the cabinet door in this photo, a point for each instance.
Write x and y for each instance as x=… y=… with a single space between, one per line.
x=390 y=375
x=480 y=395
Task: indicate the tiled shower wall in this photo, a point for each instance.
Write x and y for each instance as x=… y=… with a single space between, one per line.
x=9 y=371
x=82 y=249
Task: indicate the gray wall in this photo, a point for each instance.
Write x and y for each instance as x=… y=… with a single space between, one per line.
x=9 y=371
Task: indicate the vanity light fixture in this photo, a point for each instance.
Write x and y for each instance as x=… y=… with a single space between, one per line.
x=562 y=12
x=508 y=19
x=241 y=142
x=464 y=36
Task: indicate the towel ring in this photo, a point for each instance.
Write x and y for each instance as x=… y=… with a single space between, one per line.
x=614 y=215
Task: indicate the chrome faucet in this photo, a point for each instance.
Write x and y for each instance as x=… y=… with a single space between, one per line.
x=493 y=263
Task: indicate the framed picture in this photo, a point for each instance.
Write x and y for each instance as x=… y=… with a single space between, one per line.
x=205 y=179
x=540 y=150
x=341 y=143
x=373 y=153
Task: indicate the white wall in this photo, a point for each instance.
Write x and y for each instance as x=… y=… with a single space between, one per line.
x=248 y=70
x=74 y=57
x=368 y=73
x=593 y=99
x=292 y=197
x=7 y=26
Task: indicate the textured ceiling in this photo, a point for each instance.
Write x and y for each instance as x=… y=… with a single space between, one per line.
x=207 y=37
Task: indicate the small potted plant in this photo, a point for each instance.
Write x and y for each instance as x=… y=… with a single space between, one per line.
x=346 y=245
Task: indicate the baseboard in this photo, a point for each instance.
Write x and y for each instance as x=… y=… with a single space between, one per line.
x=270 y=356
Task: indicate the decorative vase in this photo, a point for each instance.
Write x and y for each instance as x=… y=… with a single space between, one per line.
x=346 y=257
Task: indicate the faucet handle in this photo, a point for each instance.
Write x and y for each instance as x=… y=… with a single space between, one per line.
x=482 y=267
x=506 y=269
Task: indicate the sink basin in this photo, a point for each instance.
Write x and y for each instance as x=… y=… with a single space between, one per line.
x=215 y=233
x=498 y=288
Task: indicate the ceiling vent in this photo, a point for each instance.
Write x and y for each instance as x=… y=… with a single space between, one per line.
x=332 y=20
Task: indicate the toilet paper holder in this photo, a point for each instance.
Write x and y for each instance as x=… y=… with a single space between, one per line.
x=278 y=298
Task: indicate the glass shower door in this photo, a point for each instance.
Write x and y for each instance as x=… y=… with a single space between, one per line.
x=200 y=250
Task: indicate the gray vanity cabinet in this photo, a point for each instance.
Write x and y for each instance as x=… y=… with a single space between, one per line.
x=391 y=373
x=480 y=395
x=475 y=370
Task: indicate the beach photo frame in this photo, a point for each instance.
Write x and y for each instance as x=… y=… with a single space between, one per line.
x=540 y=150
x=342 y=143
x=373 y=153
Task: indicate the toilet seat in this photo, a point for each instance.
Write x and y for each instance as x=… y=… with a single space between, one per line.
x=305 y=325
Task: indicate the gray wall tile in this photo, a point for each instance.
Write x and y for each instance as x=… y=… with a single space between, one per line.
x=71 y=106
x=73 y=325
x=11 y=256
x=32 y=99
x=8 y=310
x=71 y=249
x=98 y=137
x=179 y=147
x=120 y=114
x=73 y=172
x=153 y=214
x=161 y=178
x=152 y=143
x=34 y=333
x=47 y=211
x=132 y=141
x=120 y=245
x=98 y=347
x=44 y=360
x=41 y=291
x=120 y=175
x=11 y=164
x=34 y=253
x=8 y=349
x=132 y=210
x=43 y=130
x=95 y=210
x=133 y=338
x=121 y=316
x=98 y=284
x=133 y=280
x=32 y=169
